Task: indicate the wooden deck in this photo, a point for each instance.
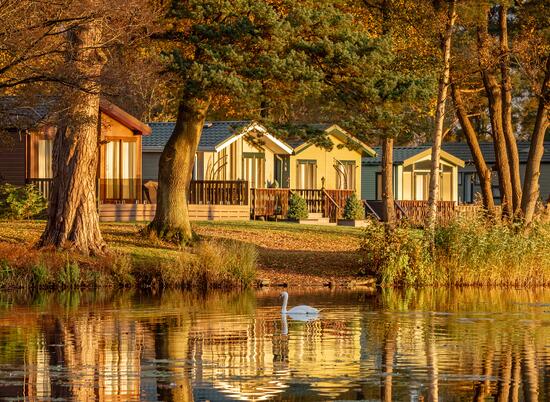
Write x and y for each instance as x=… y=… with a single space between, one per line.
x=146 y=212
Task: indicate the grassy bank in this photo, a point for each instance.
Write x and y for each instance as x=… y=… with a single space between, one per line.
x=468 y=252
x=232 y=254
x=133 y=261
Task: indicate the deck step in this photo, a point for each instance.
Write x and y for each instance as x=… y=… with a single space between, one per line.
x=318 y=221
x=315 y=215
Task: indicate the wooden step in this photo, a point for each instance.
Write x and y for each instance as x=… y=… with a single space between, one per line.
x=315 y=215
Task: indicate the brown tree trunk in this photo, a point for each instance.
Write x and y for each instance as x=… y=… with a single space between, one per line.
x=171 y=220
x=531 y=190
x=483 y=171
x=511 y=143
x=388 y=202
x=440 y=119
x=73 y=220
x=494 y=98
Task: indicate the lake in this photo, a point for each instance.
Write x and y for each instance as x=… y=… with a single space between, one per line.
x=403 y=345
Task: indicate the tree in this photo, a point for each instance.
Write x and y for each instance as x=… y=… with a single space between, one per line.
x=233 y=51
x=73 y=220
x=444 y=80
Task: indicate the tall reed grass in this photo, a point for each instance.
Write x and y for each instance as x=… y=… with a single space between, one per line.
x=467 y=252
x=208 y=264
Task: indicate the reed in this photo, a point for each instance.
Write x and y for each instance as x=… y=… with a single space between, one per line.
x=468 y=252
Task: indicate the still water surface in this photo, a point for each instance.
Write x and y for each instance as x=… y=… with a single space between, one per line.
x=465 y=344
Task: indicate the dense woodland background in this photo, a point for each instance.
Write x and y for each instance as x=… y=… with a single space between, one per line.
x=391 y=71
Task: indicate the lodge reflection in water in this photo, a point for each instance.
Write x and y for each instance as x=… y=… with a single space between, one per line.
x=418 y=345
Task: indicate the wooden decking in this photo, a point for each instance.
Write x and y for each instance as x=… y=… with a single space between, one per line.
x=146 y=212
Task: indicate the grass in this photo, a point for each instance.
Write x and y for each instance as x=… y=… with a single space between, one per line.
x=231 y=254
x=133 y=261
x=468 y=252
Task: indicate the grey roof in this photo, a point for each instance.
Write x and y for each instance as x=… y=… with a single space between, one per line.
x=462 y=150
x=459 y=149
x=400 y=154
x=24 y=113
x=213 y=133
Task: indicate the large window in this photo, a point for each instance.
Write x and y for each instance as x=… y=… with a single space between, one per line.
x=345 y=175
x=44 y=159
x=307 y=174
x=254 y=169
x=121 y=170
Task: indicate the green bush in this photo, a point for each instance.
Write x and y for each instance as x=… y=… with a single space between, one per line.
x=297 y=208
x=21 y=202
x=354 y=208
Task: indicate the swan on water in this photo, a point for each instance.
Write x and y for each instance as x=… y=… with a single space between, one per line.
x=298 y=310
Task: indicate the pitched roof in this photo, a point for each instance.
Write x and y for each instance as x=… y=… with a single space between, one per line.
x=462 y=150
x=22 y=113
x=213 y=133
x=400 y=154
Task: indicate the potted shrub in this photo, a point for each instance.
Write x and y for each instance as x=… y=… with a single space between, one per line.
x=354 y=212
x=297 y=208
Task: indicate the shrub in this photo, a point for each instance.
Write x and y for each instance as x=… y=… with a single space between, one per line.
x=40 y=275
x=398 y=257
x=297 y=208
x=354 y=208
x=20 y=202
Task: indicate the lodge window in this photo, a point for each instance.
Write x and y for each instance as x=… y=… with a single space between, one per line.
x=307 y=174
x=254 y=169
x=120 y=170
x=345 y=175
x=378 y=186
x=41 y=150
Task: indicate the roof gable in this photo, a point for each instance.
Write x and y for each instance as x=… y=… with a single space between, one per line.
x=339 y=133
x=408 y=155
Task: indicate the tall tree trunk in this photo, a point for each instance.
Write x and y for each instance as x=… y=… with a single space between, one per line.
x=388 y=202
x=494 y=98
x=171 y=220
x=483 y=171
x=440 y=119
x=531 y=190
x=73 y=220
x=511 y=143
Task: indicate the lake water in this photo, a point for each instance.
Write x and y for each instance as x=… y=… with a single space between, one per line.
x=451 y=345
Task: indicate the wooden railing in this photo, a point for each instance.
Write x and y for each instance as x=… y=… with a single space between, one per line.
x=43 y=185
x=314 y=199
x=417 y=211
x=218 y=192
x=274 y=201
x=269 y=201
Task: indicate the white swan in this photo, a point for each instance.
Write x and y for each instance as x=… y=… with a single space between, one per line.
x=298 y=310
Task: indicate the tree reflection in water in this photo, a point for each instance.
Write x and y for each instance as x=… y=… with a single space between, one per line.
x=472 y=344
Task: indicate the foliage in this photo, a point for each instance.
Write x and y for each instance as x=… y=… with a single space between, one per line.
x=297 y=208
x=467 y=252
x=69 y=275
x=354 y=208
x=20 y=202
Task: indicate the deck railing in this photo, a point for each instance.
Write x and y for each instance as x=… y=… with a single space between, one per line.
x=274 y=201
x=218 y=192
x=417 y=211
x=269 y=201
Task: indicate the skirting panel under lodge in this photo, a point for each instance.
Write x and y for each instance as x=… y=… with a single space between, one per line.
x=146 y=212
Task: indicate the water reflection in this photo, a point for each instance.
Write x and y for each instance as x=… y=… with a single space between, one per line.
x=468 y=344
